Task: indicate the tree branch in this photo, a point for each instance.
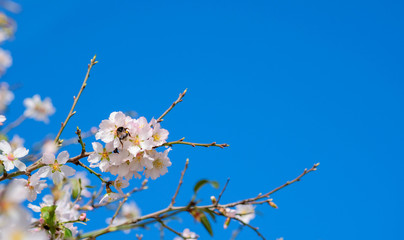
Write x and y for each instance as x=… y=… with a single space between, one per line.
x=72 y=112
x=160 y=119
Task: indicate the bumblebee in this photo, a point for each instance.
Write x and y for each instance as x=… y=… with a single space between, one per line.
x=122 y=133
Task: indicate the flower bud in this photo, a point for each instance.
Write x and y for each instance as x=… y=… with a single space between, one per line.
x=272 y=204
x=226 y=223
x=213 y=199
x=83 y=217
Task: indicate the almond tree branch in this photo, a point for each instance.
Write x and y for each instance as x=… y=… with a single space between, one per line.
x=221 y=193
x=250 y=226
x=14 y=124
x=72 y=112
x=181 y=141
x=38 y=164
x=179 y=184
x=167 y=212
x=118 y=209
x=160 y=119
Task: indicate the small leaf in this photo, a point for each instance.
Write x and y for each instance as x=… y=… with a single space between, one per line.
x=203 y=182
x=211 y=214
x=205 y=222
x=68 y=233
x=76 y=188
x=48 y=215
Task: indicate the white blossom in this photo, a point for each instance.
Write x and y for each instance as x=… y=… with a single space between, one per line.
x=33 y=185
x=17 y=142
x=11 y=158
x=160 y=164
x=38 y=109
x=55 y=168
x=245 y=212
x=188 y=234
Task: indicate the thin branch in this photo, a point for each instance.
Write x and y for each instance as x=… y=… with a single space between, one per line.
x=181 y=141
x=168 y=212
x=80 y=140
x=250 y=226
x=38 y=164
x=91 y=171
x=172 y=230
x=14 y=124
x=118 y=209
x=160 y=119
x=179 y=184
x=72 y=112
x=221 y=193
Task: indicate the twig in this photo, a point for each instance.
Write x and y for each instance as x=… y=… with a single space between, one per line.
x=38 y=164
x=118 y=209
x=14 y=124
x=221 y=193
x=181 y=141
x=169 y=228
x=236 y=232
x=91 y=171
x=72 y=112
x=179 y=184
x=168 y=212
x=250 y=226
x=160 y=119
x=80 y=140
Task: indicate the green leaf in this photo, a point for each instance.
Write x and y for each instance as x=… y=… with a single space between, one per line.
x=205 y=222
x=76 y=188
x=203 y=182
x=49 y=217
x=211 y=214
x=68 y=233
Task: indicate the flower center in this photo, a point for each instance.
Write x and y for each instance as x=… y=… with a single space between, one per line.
x=156 y=137
x=40 y=108
x=157 y=164
x=10 y=157
x=56 y=167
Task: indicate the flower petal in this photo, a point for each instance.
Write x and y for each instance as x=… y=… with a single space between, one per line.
x=63 y=157
x=5 y=147
x=20 y=152
x=67 y=171
x=20 y=165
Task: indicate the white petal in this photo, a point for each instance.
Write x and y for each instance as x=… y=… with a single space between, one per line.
x=8 y=165
x=5 y=147
x=97 y=147
x=20 y=152
x=48 y=158
x=20 y=165
x=63 y=157
x=67 y=171
x=43 y=172
x=57 y=177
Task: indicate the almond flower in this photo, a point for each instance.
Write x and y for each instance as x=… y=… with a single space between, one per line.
x=160 y=164
x=33 y=185
x=11 y=158
x=38 y=109
x=188 y=235
x=55 y=167
x=245 y=212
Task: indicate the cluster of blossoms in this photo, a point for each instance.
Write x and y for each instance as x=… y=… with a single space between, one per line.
x=130 y=147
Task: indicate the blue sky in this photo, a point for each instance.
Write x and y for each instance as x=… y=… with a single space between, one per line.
x=285 y=83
